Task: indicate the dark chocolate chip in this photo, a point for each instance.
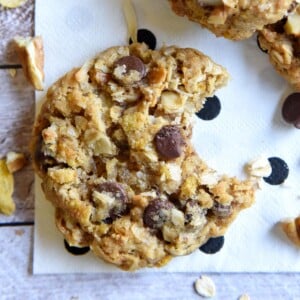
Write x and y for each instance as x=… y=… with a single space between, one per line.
x=280 y=171
x=211 y=109
x=279 y=26
x=132 y=63
x=169 y=142
x=221 y=210
x=76 y=250
x=117 y=192
x=291 y=109
x=156 y=213
x=213 y=245
x=259 y=45
x=147 y=37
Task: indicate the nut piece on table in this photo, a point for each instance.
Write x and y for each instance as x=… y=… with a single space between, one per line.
x=205 y=287
x=31 y=53
x=15 y=161
x=7 y=205
x=12 y=3
x=291 y=228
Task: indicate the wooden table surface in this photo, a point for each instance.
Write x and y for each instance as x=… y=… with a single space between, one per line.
x=16 y=232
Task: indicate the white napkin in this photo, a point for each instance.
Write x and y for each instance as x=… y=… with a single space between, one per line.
x=249 y=125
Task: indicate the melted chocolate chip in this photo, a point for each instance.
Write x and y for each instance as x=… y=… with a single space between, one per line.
x=76 y=250
x=280 y=171
x=147 y=37
x=291 y=109
x=117 y=192
x=132 y=63
x=221 y=210
x=169 y=142
x=156 y=213
x=213 y=245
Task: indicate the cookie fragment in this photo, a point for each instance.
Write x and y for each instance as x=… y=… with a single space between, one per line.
x=291 y=228
x=205 y=287
x=7 y=205
x=31 y=54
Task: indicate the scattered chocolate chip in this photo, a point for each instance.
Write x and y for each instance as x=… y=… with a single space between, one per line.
x=221 y=210
x=291 y=109
x=280 y=171
x=259 y=45
x=156 y=213
x=132 y=63
x=210 y=110
x=147 y=37
x=117 y=192
x=213 y=245
x=169 y=142
x=76 y=250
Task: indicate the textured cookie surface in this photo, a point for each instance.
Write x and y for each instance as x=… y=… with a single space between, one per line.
x=282 y=42
x=112 y=146
x=232 y=19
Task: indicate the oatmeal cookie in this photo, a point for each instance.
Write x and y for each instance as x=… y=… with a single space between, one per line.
x=282 y=42
x=112 y=146
x=232 y=19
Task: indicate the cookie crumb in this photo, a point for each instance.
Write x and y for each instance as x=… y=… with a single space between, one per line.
x=15 y=161
x=7 y=205
x=12 y=3
x=244 y=297
x=291 y=228
x=205 y=286
x=31 y=53
x=19 y=232
x=12 y=73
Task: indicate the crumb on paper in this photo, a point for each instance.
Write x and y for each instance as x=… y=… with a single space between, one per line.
x=12 y=3
x=244 y=297
x=19 y=232
x=131 y=19
x=259 y=167
x=12 y=73
x=291 y=227
x=15 y=161
x=31 y=54
x=205 y=286
x=7 y=205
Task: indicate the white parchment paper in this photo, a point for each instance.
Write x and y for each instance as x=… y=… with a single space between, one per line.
x=249 y=125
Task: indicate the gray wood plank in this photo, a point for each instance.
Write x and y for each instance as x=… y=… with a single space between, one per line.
x=13 y=22
x=17 y=281
x=16 y=120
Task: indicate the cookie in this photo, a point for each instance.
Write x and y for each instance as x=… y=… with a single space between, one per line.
x=112 y=145
x=281 y=41
x=232 y=19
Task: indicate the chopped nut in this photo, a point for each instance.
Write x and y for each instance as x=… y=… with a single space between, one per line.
x=172 y=102
x=7 y=205
x=31 y=53
x=292 y=26
x=259 y=167
x=291 y=227
x=205 y=287
x=244 y=297
x=15 y=161
x=12 y=3
x=12 y=72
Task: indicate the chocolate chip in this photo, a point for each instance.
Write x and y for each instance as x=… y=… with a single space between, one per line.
x=156 y=213
x=259 y=45
x=132 y=63
x=280 y=171
x=291 y=109
x=76 y=250
x=213 y=245
x=210 y=110
x=279 y=26
x=117 y=192
x=169 y=142
x=147 y=37
x=221 y=210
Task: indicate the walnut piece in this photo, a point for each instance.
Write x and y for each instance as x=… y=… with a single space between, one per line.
x=7 y=205
x=31 y=53
x=12 y=3
x=291 y=228
x=15 y=161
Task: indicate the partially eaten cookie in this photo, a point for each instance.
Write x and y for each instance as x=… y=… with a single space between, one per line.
x=112 y=145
